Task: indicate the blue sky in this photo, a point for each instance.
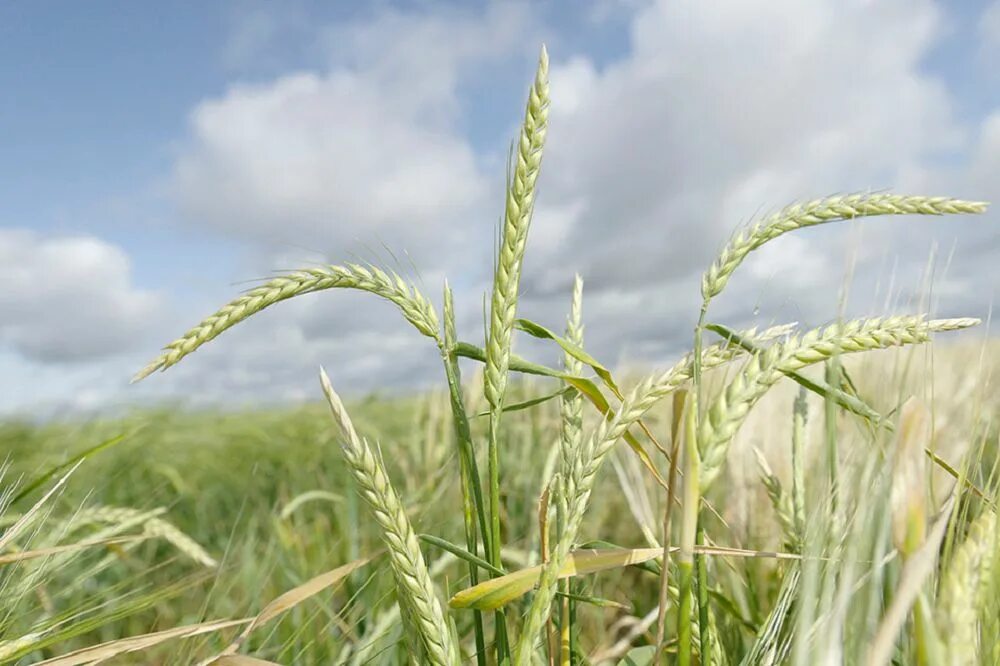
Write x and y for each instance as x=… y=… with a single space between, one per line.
x=155 y=156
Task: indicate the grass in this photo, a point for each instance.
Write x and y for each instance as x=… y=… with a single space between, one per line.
x=864 y=532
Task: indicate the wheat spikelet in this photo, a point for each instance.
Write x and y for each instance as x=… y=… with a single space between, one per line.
x=416 y=591
x=764 y=368
x=389 y=285
x=517 y=219
x=964 y=588
x=822 y=211
x=571 y=404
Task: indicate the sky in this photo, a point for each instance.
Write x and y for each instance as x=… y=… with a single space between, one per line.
x=158 y=158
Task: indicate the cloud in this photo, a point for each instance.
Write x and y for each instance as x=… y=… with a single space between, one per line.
x=69 y=298
x=722 y=111
x=367 y=151
x=715 y=115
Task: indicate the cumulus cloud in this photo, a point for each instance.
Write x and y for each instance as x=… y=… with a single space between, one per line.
x=69 y=298
x=369 y=150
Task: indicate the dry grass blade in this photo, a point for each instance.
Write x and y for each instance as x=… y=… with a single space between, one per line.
x=241 y=660
x=293 y=598
x=104 y=651
x=11 y=558
x=497 y=592
x=414 y=306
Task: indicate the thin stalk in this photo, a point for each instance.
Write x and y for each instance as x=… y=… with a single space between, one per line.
x=689 y=524
x=676 y=420
x=832 y=378
x=704 y=627
x=472 y=491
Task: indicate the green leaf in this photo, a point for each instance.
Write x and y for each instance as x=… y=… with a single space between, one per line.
x=460 y=553
x=640 y=656
x=539 y=331
x=51 y=472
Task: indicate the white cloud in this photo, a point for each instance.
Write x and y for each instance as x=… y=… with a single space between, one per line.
x=722 y=109
x=369 y=151
x=69 y=298
x=718 y=113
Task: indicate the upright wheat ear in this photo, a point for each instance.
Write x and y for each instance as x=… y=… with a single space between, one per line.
x=416 y=592
x=414 y=306
x=517 y=218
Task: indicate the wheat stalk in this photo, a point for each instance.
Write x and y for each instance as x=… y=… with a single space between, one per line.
x=766 y=367
x=416 y=590
x=415 y=307
x=503 y=304
x=821 y=211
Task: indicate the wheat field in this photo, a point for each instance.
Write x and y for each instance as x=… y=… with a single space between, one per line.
x=776 y=496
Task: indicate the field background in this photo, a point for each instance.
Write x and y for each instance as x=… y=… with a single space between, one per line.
x=266 y=493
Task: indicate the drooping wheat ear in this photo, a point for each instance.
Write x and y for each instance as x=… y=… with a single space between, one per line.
x=821 y=211
x=416 y=591
x=389 y=285
x=179 y=540
x=764 y=368
x=571 y=404
x=965 y=586
x=517 y=219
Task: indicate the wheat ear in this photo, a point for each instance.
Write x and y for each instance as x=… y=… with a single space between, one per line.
x=965 y=585
x=387 y=284
x=517 y=219
x=415 y=590
x=779 y=500
x=571 y=404
x=821 y=211
x=588 y=459
x=762 y=371
x=766 y=367
x=503 y=304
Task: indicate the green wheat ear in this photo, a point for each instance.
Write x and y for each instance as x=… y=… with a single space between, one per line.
x=416 y=591
x=415 y=307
